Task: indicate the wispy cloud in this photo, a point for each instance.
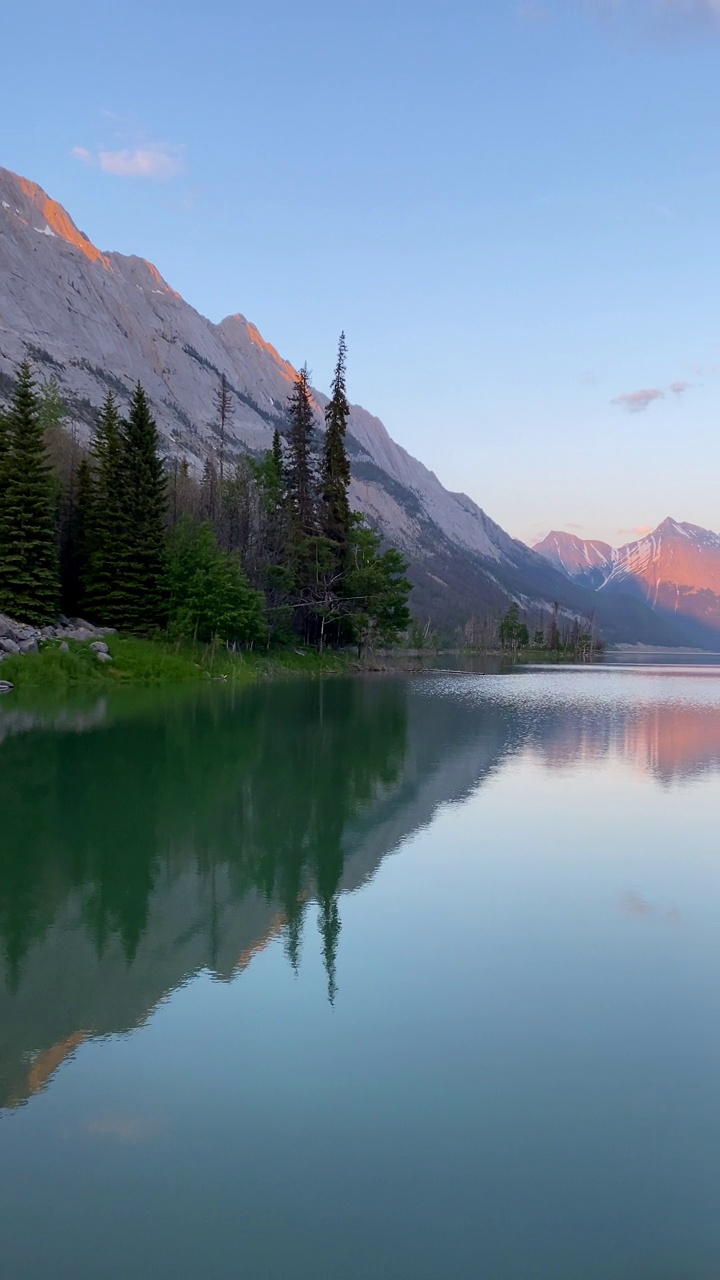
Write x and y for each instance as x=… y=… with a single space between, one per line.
x=649 y=18
x=155 y=160
x=638 y=531
x=533 y=11
x=669 y=16
x=634 y=904
x=638 y=401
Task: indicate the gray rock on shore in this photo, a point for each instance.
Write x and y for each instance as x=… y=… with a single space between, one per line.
x=20 y=637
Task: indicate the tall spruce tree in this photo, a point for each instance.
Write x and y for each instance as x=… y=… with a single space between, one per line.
x=300 y=478
x=29 y=563
x=4 y=447
x=138 y=600
x=335 y=473
x=101 y=516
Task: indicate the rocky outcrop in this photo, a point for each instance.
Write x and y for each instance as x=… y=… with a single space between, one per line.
x=20 y=637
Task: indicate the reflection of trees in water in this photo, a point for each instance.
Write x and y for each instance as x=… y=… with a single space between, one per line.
x=263 y=784
x=266 y=791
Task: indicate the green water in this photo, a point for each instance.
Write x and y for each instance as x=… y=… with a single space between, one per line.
x=383 y=979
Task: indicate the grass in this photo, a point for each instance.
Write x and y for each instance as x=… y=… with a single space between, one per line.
x=159 y=662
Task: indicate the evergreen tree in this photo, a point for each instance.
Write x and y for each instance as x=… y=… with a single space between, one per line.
x=277 y=456
x=335 y=474
x=376 y=588
x=137 y=602
x=300 y=478
x=84 y=528
x=4 y=454
x=209 y=596
x=29 y=564
x=210 y=492
x=101 y=517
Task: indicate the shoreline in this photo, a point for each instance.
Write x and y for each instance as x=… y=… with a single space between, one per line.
x=162 y=662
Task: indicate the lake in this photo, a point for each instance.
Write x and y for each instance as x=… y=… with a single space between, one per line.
x=364 y=979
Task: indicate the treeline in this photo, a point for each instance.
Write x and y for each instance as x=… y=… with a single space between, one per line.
x=574 y=637
x=253 y=550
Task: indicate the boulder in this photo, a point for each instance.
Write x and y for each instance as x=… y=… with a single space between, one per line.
x=28 y=646
x=104 y=657
x=64 y=647
x=79 y=633
x=18 y=631
x=9 y=646
x=99 y=646
x=6 y=686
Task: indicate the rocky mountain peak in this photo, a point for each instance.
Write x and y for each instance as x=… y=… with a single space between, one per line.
x=25 y=200
x=96 y=320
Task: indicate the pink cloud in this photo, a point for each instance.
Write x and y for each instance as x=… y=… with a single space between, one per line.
x=639 y=530
x=679 y=387
x=144 y=160
x=637 y=401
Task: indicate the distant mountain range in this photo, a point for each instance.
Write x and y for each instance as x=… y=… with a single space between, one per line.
x=98 y=320
x=675 y=570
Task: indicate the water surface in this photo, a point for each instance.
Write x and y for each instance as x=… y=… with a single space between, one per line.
x=386 y=978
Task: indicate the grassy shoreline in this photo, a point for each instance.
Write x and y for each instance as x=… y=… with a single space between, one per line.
x=160 y=661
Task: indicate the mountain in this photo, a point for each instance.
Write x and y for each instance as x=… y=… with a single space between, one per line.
x=97 y=320
x=588 y=562
x=675 y=570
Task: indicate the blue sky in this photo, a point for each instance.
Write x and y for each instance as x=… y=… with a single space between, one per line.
x=511 y=208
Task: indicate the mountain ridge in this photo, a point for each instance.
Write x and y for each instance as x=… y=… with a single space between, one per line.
x=99 y=319
x=674 y=569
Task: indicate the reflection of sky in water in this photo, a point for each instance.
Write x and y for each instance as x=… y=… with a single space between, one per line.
x=518 y=1077
x=664 y=720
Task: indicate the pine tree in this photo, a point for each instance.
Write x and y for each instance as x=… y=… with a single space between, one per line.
x=29 y=565
x=137 y=602
x=277 y=455
x=101 y=516
x=335 y=475
x=4 y=454
x=84 y=524
x=209 y=493
x=300 y=478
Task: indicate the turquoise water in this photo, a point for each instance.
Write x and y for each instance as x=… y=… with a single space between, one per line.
x=386 y=978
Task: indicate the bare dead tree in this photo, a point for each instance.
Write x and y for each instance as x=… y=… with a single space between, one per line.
x=224 y=410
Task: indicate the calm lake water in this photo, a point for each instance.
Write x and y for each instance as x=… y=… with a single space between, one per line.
x=384 y=979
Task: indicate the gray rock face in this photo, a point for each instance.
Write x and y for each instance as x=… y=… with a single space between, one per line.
x=98 y=320
x=95 y=320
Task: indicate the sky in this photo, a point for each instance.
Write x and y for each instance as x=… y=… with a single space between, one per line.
x=511 y=208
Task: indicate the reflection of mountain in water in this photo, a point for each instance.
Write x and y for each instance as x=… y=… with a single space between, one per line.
x=140 y=844
x=668 y=741
x=144 y=840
